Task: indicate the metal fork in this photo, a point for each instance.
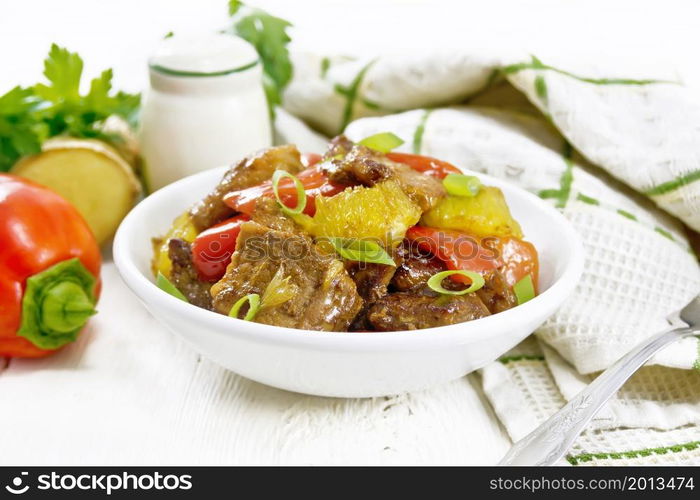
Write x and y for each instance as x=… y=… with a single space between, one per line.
x=549 y=442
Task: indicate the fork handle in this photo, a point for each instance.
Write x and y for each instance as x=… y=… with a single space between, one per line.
x=549 y=442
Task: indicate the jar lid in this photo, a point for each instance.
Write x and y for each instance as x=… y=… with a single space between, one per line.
x=204 y=55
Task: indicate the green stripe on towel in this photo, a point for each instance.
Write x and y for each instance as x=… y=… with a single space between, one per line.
x=420 y=130
x=664 y=233
x=588 y=457
x=587 y=199
x=669 y=186
x=350 y=94
x=520 y=357
x=325 y=66
x=567 y=178
x=541 y=88
x=627 y=214
x=371 y=105
x=539 y=65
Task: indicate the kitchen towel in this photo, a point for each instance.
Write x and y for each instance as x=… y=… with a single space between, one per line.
x=619 y=155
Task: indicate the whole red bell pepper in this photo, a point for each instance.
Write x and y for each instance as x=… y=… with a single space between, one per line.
x=49 y=270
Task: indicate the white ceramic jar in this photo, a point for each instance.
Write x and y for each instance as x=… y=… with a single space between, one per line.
x=206 y=107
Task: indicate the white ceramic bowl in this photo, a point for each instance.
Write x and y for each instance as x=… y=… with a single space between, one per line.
x=348 y=364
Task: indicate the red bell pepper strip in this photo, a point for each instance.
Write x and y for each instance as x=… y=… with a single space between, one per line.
x=315 y=183
x=426 y=164
x=49 y=270
x=459 y=251
x=519 y=259
x=310 y=159
x=212 y=249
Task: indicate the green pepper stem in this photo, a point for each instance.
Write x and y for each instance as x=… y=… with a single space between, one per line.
x=65 y=307
x=57 y=302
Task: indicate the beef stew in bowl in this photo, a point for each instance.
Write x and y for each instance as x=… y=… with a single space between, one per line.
x=357 y=239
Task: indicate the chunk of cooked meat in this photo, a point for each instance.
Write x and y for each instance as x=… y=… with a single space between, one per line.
x=424 y=190
x=371 y=280
x=184 y=276
x=413 y=311
x=250 y=171
x=359 y=324
x=496 y=294
x=268 y=213
x=362 y=165
x=415 y=269
x=339 y=145
x=322 y=294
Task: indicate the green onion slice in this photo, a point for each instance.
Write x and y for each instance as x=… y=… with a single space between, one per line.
x=435 y=282
x=462 y=185
x=253 y=299
x=166 y=285
x=524 y=289
x=383 y=142
x=301 y=192
x=361 y=251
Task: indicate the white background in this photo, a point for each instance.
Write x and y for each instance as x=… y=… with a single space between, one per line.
x=128 y=393
x=121 y=33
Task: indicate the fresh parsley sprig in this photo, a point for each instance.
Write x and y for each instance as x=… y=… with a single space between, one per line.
x=28 y=116
x=268 y=34
x=21 y=133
